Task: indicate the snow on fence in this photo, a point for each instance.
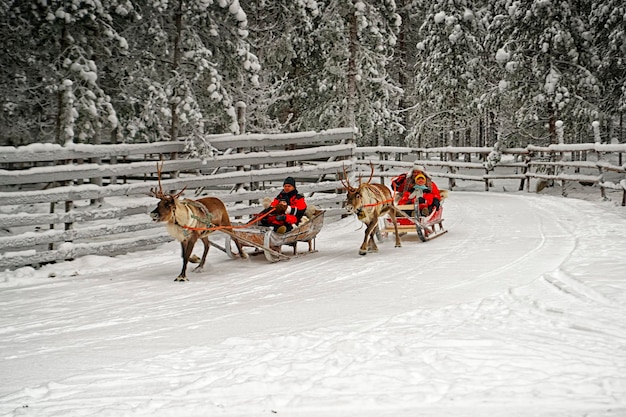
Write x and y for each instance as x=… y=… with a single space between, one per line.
x=61 y=202
x=588 y=163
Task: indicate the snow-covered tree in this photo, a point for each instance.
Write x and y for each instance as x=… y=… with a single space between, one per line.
x=448 y=70
x=279 y=35
x=401 y=71
x=334 y=71
x=51 y=78
x=547 y=55
x=608 y=18
x=192 y=63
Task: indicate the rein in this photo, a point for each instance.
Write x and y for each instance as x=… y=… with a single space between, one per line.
x=378 y=194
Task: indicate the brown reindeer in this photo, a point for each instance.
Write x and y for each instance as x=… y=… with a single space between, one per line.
x=370 y=202
x=190 y=220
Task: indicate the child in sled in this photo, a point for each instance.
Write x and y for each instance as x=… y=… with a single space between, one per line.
x=409 y=187
x=286 y=209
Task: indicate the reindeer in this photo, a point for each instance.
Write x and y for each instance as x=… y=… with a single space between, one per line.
x=369 y=202
x=190 y=220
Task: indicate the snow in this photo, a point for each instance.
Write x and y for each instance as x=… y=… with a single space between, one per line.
x=440 y=17
x=517 y=311
x=502 y=55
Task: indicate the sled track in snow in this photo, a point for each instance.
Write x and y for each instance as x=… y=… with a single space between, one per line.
x=505 y=310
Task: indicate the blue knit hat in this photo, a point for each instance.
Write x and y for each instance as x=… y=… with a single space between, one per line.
x=291 y=181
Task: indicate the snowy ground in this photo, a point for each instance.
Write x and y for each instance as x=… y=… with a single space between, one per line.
x=518 y=311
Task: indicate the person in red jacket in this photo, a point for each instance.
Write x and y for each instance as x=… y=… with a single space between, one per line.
x=419 y=182
x=286 y=209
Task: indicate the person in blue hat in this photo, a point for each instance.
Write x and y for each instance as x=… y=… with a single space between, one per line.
x=286 y=209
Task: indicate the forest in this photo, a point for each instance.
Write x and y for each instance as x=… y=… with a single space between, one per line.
x=400 y=72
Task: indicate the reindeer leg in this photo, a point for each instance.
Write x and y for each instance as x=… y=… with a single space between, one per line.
x=363 y=248
x=392 y=214
x=367 y=239
x=187 y=246
x=181 y=276
x=207 y=245
x=242 y=253
x=372 y=244
x=182 y=250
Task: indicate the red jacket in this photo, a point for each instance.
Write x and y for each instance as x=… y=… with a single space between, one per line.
x=433 y=192
x=296 y=206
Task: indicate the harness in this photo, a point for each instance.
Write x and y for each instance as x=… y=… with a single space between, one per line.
x=207 y=214
x=379 y=203
x=359 y=211
x=212 y=228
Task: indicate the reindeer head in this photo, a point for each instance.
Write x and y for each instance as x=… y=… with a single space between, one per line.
x=164 y=211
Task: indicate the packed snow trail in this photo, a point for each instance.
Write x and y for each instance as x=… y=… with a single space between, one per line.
x=519 y=309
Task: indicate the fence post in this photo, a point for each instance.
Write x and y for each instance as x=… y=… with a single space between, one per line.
x=97 y=180
x=602 y=189
x=113 y=160
x=451 y=170
x=486 y=180
x=241 y=120
x=526 y=180
x=51 y=227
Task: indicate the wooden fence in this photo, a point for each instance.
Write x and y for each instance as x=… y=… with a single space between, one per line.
x=588 y=163
x=59 y=203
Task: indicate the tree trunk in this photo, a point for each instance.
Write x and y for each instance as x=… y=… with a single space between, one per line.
x=178 y=22
x=402 y=70
x=352 y=70
x=60 y=102
x=552 y=124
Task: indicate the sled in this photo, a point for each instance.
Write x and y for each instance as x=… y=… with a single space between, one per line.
x=427 y=227
x=264 y=240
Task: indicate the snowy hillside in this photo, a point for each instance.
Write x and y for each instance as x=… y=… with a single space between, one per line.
x=518 y=311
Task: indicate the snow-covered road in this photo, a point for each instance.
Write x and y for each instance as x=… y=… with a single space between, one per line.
x=519 y=311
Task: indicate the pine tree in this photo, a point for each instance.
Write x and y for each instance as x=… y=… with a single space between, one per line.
x=51 y=73
x=608 y=17
x=191 y=65
x=332 y=70
x=448 y=75
x=280 y=32
x=547 y=53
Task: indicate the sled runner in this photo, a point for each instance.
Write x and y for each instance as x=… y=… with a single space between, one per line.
x=268 y=242
x=427 y=227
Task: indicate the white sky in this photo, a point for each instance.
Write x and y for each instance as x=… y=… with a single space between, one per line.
x=518 y=311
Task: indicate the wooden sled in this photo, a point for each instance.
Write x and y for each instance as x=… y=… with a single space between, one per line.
x=427 y=228
x=270 y=243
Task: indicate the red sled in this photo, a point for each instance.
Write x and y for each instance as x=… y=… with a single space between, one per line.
x=411 y=221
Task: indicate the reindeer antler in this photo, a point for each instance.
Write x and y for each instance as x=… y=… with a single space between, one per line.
x=371 y=175
x=372 y=172
x=346 y=183
x=159 y=193
x=175 y=196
